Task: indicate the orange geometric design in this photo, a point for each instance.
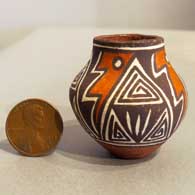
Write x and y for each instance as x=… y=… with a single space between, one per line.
x=104 y=85
x=161 y=61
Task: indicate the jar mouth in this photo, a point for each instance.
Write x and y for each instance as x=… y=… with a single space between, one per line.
x=128 y=40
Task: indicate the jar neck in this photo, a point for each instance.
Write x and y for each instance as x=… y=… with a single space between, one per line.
x=121 y=48
x=111 y=55
x=129 y=41
x=140 y=46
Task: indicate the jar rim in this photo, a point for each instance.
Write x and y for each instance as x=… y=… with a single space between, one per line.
x=128 y=40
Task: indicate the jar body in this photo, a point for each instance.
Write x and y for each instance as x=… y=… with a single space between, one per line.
x=129 y=99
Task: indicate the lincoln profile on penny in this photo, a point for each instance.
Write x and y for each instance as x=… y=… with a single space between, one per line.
x=35 y=122
x=34 y=117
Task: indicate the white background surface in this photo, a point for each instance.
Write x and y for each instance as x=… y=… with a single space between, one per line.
x=98 y=13
x=42 y=63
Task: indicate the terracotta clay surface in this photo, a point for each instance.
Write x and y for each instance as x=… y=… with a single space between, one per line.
x=130 y=152
x=128 y=97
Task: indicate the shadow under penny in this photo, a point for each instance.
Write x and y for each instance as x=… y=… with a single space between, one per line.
x=5 y=146
x=77 y=144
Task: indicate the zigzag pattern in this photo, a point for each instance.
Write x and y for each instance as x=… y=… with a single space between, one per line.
x=176 y=100
x=164 y=70
x=94 y=99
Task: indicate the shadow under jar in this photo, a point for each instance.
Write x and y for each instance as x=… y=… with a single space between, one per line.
x=128 y=97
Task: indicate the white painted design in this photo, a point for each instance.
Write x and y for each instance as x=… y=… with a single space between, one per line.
x=122 y=133
x=137 y=126
x=164 y=71
x=179 y=119
x=118 y=63
x=139 y=90
x=130 y=48
x=130 y=89
x=175 y=100
x=128 y=119
x=146 y=122
x=159 y=132
x=77 y=79
x=74 y=107
x=95 y=135
x=94 y=99
x=80 y=120
x=135 y=88
x=136 y=64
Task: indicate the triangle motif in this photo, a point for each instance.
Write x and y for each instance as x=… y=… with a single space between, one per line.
x=136 y=88
x=160 y=130
x=160 y=133
x=118 y=133
x=140 y=91
x=115 y=131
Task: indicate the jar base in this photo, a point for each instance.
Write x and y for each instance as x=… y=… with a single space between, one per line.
x=130 y=152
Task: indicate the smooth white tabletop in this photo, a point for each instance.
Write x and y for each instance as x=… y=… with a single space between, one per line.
x=42 y=63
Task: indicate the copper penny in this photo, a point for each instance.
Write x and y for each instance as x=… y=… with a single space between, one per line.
x=34 y=127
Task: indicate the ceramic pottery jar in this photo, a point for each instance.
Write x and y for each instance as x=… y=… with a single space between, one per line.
x=128 y=97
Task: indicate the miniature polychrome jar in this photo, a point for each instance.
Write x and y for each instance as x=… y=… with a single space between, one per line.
x=128 y=97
